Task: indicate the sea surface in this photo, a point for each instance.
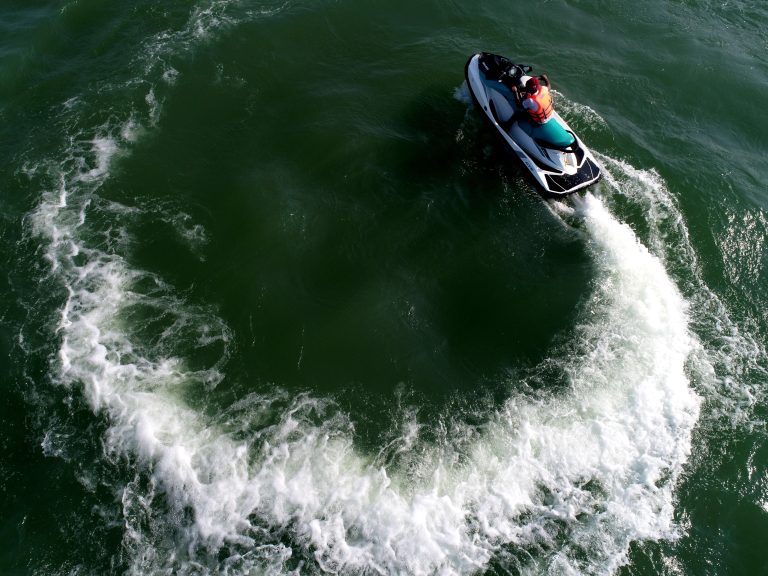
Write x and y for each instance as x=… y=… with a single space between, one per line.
x=274 y=300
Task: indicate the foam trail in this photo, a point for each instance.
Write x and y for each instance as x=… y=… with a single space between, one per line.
x=729 y=357
x=136 y=384
x=611 y=448
x=564 y=481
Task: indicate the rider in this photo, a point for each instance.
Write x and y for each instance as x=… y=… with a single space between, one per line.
x=536 y=99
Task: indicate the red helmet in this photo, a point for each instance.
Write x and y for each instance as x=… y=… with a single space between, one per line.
x=532 y=85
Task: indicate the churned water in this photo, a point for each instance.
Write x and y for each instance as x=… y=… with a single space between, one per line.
x=276 y=302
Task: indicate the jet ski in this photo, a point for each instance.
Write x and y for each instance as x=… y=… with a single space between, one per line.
x=556 y=158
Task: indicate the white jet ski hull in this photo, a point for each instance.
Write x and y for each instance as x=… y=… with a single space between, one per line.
x=558 y=167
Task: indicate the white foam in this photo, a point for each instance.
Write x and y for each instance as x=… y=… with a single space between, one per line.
x=574 y=476
x=154 y=107
x=578 y=111
x=730 y=358
x=104 y=149
x=206 y=20
x=462 y=94
x=624 y=427
x=170 y=75
x=193 y=234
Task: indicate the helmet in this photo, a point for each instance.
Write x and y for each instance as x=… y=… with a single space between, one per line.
x=532 y=85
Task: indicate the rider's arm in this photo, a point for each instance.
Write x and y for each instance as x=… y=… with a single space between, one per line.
x=545 y=80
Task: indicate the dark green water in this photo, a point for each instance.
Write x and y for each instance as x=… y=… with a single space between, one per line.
x=275 y=301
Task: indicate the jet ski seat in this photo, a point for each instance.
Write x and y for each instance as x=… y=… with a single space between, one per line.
x=551 y=132
x=502 y=109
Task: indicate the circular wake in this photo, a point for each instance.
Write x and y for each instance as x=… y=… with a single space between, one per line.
x=559 y=480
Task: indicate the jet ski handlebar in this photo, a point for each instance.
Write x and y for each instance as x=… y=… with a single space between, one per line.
x=517 y=70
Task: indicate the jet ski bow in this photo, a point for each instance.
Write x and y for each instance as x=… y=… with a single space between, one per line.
x=556 y=158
